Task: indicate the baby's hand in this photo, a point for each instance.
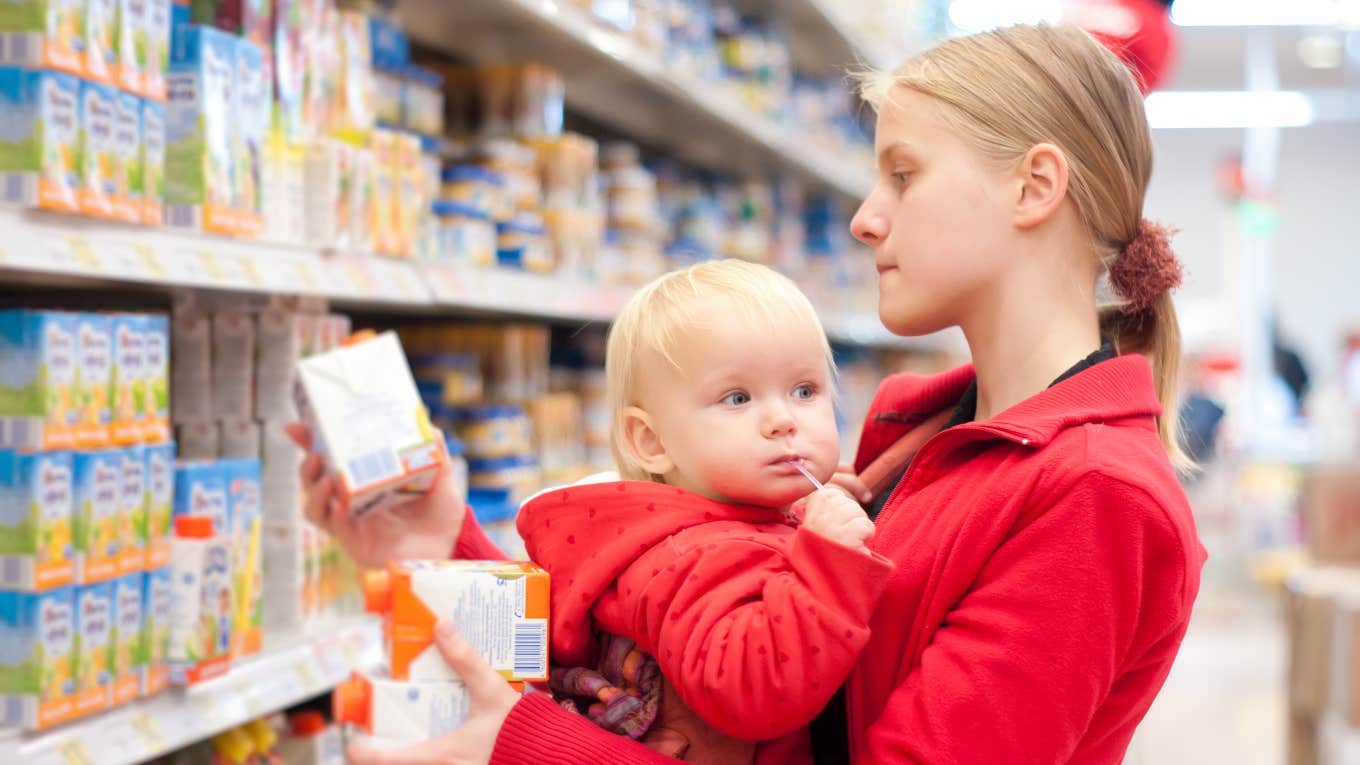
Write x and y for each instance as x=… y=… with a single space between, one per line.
x=834 y=515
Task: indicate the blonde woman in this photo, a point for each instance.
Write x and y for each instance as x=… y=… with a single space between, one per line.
x=1046 y=557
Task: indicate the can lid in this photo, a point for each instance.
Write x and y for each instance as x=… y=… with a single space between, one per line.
x=194 y=526
x=351 y=700
x=377 y=591
x=308 y=722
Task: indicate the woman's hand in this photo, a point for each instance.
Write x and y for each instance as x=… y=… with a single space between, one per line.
x=425 y=527
x=491 y=697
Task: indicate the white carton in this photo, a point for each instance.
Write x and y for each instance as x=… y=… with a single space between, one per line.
x=239 y=439
x=191 y=366
x=400 y=711
x=198 y=440
x=281 y=337
x=200 y=601
x=233 y=365
x=367 y=419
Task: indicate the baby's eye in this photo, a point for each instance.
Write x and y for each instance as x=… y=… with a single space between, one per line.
x=805 y=391
x=737 y=398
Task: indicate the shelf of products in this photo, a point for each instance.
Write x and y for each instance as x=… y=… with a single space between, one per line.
x=824 y=41
x=617 y=79
x=291 y=668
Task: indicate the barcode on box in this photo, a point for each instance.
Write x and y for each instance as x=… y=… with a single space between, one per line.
x=12 y=573
x=14 y=711
x=183 y=216
x=19 y=188
x=374 y=467
x=20 y=48
x=531 y=648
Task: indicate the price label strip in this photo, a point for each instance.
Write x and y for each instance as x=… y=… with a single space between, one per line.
x=74 y=752
x=148 y=732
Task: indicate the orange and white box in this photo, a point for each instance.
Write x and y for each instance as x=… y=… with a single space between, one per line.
x=367 y=419
x=500 y=607
x=396 y=712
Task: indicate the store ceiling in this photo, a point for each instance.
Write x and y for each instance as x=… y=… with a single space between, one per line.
x=1214 y=58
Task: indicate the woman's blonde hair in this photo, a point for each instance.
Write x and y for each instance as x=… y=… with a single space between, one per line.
x=653 y=322
x=1009 y=89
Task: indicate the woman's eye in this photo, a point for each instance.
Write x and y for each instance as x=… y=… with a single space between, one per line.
x=736 y=398
x=805 y=391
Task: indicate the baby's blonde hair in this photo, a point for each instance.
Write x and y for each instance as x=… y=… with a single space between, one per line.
x=654 y=320
x=1009 y=89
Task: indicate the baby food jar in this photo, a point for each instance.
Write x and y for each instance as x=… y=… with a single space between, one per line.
x=491 y=432
x=519 y=475
x=465 y=234
x=476 y=187
x=447 y=379
x=523 y=243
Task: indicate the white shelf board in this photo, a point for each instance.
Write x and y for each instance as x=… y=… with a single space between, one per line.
x=291 y=669
x=613 y=79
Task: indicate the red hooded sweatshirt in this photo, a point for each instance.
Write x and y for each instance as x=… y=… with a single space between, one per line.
x=1047 y=563
x=754 y=622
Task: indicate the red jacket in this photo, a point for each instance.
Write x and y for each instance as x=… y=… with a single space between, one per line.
x=754 y=622
x=1047 y=563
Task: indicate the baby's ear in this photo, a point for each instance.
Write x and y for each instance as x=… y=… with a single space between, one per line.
x=642 y=443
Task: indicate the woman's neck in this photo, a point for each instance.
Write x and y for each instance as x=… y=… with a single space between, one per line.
x=1032 y=331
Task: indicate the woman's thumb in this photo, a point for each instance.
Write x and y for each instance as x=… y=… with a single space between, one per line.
x=477 y=675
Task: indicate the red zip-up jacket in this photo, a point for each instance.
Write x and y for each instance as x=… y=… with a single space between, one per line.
x=1046 y=565
x=753 y=621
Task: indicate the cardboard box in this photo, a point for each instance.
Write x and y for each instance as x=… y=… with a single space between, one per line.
x=1331 y=504
x=156 y=377
x=44 y=34
x=129 y=378
x=500 y=607
x=40 y=630
x=240 y=439
x=132 y=510
x=98 y=491
x=93 y=662
x=156 y=630
x=243 y=496
x=160 y=502
x=191 y=367
x=40 y=406
x=129 y=662
x=233 y=365
x=36 y=517
x=199 y=440
x=199 y=183
x=200 y=601
x=94 y=380
x=367 y=418
x=38 y=165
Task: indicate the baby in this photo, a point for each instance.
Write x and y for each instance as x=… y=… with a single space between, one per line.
x=720 y=380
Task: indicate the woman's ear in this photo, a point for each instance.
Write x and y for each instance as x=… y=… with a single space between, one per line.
x=1042 y=180
x=643 y=443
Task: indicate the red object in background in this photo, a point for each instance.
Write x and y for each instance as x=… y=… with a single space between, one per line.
x=1138 y=31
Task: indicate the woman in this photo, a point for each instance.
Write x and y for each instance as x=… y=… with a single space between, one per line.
x=1047 y=560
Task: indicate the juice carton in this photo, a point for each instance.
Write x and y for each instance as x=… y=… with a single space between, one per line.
x=155 y=630
x=285 y=570
x=198 y=440
x=279 y=339
x=39 y=148
x=367 y=418
x=153 y=162
x=98 y=485
x=101 y=59
x=401 y=712
x=201 y=489
x=93 y=651
x=330 y=169
x=200 y=602
x=154 y=537
x=250 y=120
x=156 y=34
x=37 y=681
x=132 y=510
x=155 y=396
x=244 y=498
x=501 y=607
x=353 y=113
x=44 y=34
x=289 y=65
x=94 y=379
x=411 y=200
x=383 y=211
x=240 y=439
x=127 y=158
x=129 y=45
x=129 y=378
x=97 y=147
x=38 y=398
x=233 y=365
x=199 y=184
x=191 y=367
x=129 y=660
x=37 y=549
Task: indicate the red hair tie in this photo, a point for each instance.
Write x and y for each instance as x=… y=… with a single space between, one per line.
x=1147 y=269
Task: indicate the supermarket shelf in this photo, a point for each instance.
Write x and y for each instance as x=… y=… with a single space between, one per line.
x=611 y=78
x=822 y=41
x=524 y=294
x=46 y=247
x=289 y=671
